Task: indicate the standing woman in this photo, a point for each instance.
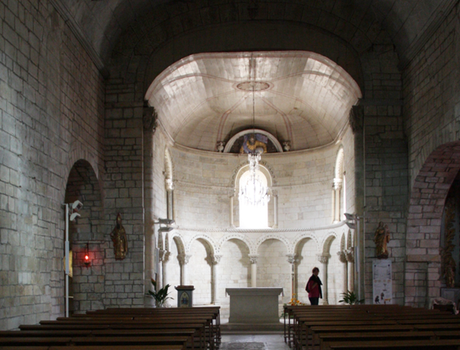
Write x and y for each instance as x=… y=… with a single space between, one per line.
x=313 y=287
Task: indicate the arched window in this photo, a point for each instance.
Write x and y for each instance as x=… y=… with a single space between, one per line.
x=253 y=197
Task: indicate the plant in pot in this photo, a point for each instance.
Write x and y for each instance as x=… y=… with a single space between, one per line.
x=161 y=295
x=350 y=298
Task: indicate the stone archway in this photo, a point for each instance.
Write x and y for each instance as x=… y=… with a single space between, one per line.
x=86 y=236
x=427 y=199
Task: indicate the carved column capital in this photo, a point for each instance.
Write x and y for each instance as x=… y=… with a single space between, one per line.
x=337 y=183
x=323 y=258
x=350 y=254
x=215 y=259
x=169 y=184
x=149 y=119
x=183 y=259
x=342 y=256
x=291 y=258
x=164 y=255
x=253 y=258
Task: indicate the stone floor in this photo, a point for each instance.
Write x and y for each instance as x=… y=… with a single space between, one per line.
x=253 y=342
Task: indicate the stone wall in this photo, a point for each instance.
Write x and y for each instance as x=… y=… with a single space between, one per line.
x=431 y=101
x=51 y=115
x=302 y=181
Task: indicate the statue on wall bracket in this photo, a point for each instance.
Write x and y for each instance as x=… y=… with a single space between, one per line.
x=119 y=239
x=381 y=239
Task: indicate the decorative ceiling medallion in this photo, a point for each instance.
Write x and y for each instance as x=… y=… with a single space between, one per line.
x=253 y=86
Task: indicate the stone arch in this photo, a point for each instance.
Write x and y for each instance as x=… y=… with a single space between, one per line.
x=86 y=236
x=200 y=268
x=327 y=242
x=299 y=239
x=343 y=242
x=206 y=240
x=241 y=238
x=177 y=46
x=429 y=192
x=349 y=239
x=269 y=237
x=179 y=243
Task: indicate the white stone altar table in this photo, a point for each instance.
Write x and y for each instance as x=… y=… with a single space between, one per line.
x=254 y=305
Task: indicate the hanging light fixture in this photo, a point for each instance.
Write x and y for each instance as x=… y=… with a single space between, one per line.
x=254 y=191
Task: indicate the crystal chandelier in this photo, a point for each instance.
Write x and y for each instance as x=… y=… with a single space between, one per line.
x=254 y=191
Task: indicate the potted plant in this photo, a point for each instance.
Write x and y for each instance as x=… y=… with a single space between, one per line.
x=161 y=295
x=350 y=298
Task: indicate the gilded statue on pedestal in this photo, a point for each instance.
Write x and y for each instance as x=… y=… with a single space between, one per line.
x=381 y=239
x=119 y=239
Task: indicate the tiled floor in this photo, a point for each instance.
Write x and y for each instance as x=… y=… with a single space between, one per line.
x=253 y=342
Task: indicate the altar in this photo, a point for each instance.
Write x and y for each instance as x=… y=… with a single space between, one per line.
x=254 y=305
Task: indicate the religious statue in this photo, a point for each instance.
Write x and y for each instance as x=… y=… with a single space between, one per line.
x=119 y=239
x=381 y=239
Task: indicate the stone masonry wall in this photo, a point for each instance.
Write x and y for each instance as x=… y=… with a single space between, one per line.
x=431 y=108
x=51 y=115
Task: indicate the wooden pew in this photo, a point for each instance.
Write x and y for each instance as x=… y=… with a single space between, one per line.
x=98 y=347
x=122 y=327
x=306 y=318
x=443 y=344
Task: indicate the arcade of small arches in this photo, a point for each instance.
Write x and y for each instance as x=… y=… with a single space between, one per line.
x=295 y=252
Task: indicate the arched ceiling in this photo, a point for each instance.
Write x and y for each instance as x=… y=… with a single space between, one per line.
x=101 y=22
x=300 y=97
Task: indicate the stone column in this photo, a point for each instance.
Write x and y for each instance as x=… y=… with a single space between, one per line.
x=324 y=259
x=343 y=260
x=183 y=261
x=170 y=198
x=349 y=253
x=253 y=260
x=149 y=119
x=162 y=275
x=215 y=259
x=337 y=198
x=291 y=260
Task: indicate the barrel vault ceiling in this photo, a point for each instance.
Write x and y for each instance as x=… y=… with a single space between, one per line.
x=299 y=97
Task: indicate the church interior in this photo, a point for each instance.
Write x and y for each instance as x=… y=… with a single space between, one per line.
x=227 y=144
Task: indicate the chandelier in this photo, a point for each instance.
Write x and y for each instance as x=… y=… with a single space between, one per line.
x=254 y=191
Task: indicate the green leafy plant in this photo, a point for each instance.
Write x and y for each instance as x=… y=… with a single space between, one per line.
x=161 y=295
x=350 y=298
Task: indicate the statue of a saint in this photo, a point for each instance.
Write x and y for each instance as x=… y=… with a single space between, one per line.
x=119 y=239
x=381 y=239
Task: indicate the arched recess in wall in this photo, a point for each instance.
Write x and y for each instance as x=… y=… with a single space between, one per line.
x=169 y=185
x=234 y=268
x=235 y=205
x=305 y=251
x=200 y=270
x=273 y=267
x=86 y=235
x=425 y=255
x=339 y=188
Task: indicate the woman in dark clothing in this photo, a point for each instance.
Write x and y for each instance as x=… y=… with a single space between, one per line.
x=313 y=287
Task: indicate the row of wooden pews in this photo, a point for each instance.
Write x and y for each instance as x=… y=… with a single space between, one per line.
x=193 y=328
x=375 y=327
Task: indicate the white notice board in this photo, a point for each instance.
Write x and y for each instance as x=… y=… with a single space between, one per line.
x=382 y=282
